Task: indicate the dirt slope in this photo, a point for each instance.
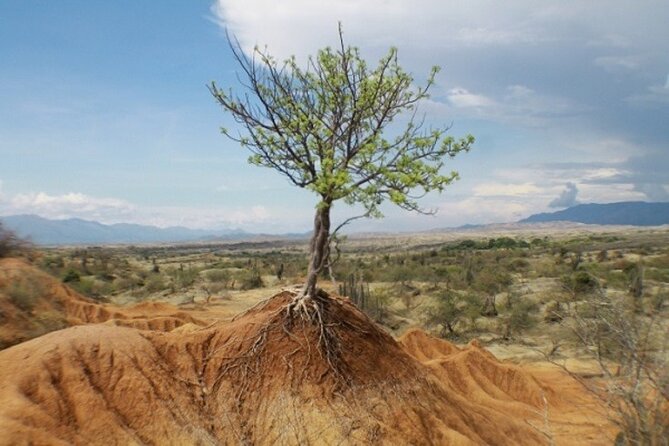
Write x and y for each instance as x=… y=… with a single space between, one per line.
x=263 y=379
x=33 y=303
x=541 y=394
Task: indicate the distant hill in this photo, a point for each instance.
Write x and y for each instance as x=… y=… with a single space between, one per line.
x=634 y=213
x=44 y=231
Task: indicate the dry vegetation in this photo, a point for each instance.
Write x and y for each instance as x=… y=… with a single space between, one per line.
x=594 y=304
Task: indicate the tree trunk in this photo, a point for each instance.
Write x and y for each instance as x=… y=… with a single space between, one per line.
x=318 y=247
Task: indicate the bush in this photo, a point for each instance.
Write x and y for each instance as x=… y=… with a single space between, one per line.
x=250 y=280
x=631 y=352
x=11 y=244
x=185 y=277
x=580 y=282
x=71 y=276
x=155 y=283
x=517 y=265
x=521 y=317
x=24 y=294
x=85 y=286
x=553 y=312
x=218 y=275
x=447 y=312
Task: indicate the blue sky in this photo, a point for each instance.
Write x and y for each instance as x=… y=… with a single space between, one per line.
x=104 y=113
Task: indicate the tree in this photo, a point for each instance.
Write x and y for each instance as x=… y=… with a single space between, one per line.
x=632 y=352
x=324 y=128
x=448 y=311
x=10 y=243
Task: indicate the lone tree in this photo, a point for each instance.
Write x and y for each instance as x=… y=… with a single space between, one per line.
x=323 y=127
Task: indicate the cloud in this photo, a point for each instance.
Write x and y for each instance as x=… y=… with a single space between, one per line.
x=486 y=36
x=68 y=205
x=617 y=63
x=253 y=217
x=515 y=104
x=567 y=197
x=654 y=191
x=435 y=23
x=484 y=210
x=505 y=190
x=460 y=97
x=654 y=95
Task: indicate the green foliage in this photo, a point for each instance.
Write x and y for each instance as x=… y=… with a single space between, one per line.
x=182 y=277
x=218 y=275
x=71 y=276
x=249 y=280
x=451 y=308
x=522 y=316
x=504 y=243
x=322 y=127
x=579 y=282
x=634 y=275
x=24 y=293
x=517 y=265
x=356 y=290
x=85 y=286
x=493 y=281
x=155 y=283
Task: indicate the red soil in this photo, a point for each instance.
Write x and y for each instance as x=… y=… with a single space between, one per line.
x=48 y=305
x=264 y=379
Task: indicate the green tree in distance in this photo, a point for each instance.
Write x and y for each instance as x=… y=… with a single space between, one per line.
x=324 y=128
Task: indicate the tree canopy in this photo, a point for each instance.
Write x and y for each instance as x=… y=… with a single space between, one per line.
x=325 y=128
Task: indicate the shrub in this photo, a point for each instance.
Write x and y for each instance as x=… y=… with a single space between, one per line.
x=553 y=312
x=519 y=265
x=11 y=244
x=71 y=276
x=521 y=317
x=24 y=294
x=155 y=283
x=448 y=312
x=250 y=280
x=218 y=275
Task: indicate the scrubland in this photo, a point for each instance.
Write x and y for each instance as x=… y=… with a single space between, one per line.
x=582 y=310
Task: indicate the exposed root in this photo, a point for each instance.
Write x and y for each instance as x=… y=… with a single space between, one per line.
x=292 y=322
x=315 y=310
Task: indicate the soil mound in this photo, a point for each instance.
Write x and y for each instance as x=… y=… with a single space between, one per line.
x=424 y=347
x=33 y=303
x=264 y=378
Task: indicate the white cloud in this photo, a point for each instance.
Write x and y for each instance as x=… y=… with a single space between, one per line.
x=436 y=24
x=462 y=98
x=482 y=36
x=567 y=197
x=606 y=193
x=516 y=104
x=256 y=218
x=67 y=205
x=506 y=190
x=617 y=63
x=601 y=173
x=483 y=210
x=655 y=94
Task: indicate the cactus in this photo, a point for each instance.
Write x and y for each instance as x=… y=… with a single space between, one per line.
x=358 y=291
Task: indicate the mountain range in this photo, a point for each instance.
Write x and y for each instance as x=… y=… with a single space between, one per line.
x=634 y=213
x=75 y=231
x=43 y=231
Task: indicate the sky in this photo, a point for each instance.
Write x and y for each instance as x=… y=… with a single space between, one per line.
x=105 y=114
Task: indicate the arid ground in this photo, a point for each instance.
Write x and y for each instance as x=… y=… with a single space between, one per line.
x=512 y=337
